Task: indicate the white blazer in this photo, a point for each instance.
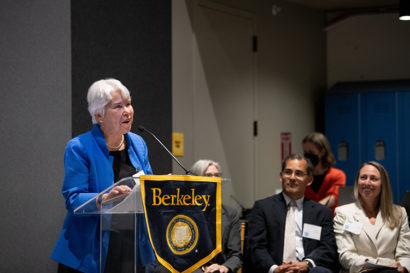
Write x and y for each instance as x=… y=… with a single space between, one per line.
x=375 y=243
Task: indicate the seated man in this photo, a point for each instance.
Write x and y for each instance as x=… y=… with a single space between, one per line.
x=290 y=233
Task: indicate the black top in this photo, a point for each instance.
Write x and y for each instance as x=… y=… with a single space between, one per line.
x=121 y=248
x=121 y=165
x=317 y=181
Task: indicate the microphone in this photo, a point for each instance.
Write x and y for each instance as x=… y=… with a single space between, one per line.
x=143 y=129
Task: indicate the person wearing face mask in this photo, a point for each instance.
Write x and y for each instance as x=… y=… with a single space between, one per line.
x=372 y=231
x=326 y=179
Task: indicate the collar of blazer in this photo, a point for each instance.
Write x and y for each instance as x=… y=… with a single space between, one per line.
x=307 y=208
x=371 y=231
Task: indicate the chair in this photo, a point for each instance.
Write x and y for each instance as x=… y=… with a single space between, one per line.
x=406 y=203
x=345 y=195
x=243 y=238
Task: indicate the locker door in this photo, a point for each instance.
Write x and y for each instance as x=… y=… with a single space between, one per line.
x=342 y=130
x=404 y=144
x=378 y=132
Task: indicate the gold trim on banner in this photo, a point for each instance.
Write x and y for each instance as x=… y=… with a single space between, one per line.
x=189 y=222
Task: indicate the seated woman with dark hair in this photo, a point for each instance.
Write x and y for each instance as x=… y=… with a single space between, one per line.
x=327 y=179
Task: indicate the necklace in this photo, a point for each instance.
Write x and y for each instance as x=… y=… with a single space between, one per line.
x=116 y=147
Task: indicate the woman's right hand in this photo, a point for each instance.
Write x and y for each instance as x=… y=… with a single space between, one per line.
x=328 y=201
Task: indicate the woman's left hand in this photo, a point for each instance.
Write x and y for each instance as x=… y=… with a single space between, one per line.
x=216 y=267
x=400 y=268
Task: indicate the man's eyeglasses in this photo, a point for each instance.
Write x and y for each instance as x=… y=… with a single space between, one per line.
x=289 y=172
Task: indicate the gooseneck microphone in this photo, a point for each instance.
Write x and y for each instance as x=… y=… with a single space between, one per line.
x=143 y=129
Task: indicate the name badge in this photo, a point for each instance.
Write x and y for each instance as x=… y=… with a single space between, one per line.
x=138 y=174
x=353 y=227
x=312 y=231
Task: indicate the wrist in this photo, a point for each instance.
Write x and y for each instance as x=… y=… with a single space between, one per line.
x=309 y=264
x=100 y=199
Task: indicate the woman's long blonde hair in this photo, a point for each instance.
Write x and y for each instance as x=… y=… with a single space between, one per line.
x=391 y=213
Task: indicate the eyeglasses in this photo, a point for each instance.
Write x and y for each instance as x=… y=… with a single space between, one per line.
x=289 y=172
x=213 y=174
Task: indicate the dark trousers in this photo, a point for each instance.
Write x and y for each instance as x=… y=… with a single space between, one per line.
x=320 y=269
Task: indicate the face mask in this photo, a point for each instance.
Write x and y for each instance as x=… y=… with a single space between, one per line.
x=313 y=158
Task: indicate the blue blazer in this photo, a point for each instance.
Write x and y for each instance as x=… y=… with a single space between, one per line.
x=88 y=171
x=266 y=231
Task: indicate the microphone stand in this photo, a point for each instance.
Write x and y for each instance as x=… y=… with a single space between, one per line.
x=143 y=129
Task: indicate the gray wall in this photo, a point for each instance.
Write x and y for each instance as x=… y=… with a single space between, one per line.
x=35 y=117
x=290 y=77
x=134 y=46
x=368 y=48
x=40 y=112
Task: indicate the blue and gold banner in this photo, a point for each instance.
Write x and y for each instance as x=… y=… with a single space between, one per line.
x=183 y=215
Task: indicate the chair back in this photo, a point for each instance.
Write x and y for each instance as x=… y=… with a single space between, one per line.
x=243 y=238
x=345 y=195
x=406 y=203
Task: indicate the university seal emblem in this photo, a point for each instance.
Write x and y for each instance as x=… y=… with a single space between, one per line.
x=182 y=234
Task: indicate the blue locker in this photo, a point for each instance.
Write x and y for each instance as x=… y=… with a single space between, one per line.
x=342 y=131
x=371 y=119
x=403 y=178
x=378 y=132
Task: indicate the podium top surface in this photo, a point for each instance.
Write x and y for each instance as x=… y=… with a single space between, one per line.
x=121 y=204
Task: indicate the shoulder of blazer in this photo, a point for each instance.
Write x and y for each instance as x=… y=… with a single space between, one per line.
x=351 y=208
x=87 y=144
x=136 y=139
x=317 y=208
x=274 y=201
x=307 y=203
x=277 y=198
x=228 y=210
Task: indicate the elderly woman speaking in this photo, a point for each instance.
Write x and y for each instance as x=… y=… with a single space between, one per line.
x=93 y=162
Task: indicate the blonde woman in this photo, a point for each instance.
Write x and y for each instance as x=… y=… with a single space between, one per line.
x=372 y=230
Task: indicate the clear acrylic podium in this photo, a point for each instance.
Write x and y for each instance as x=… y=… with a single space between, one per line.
x=120 y=224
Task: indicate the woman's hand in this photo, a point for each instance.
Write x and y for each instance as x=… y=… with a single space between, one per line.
x=114 y=193
x=328 y=201
x=216 y=267
x=400 y=268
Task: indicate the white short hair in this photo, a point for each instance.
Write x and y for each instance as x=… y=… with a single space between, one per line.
x=99 y=95
x=201 y=165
